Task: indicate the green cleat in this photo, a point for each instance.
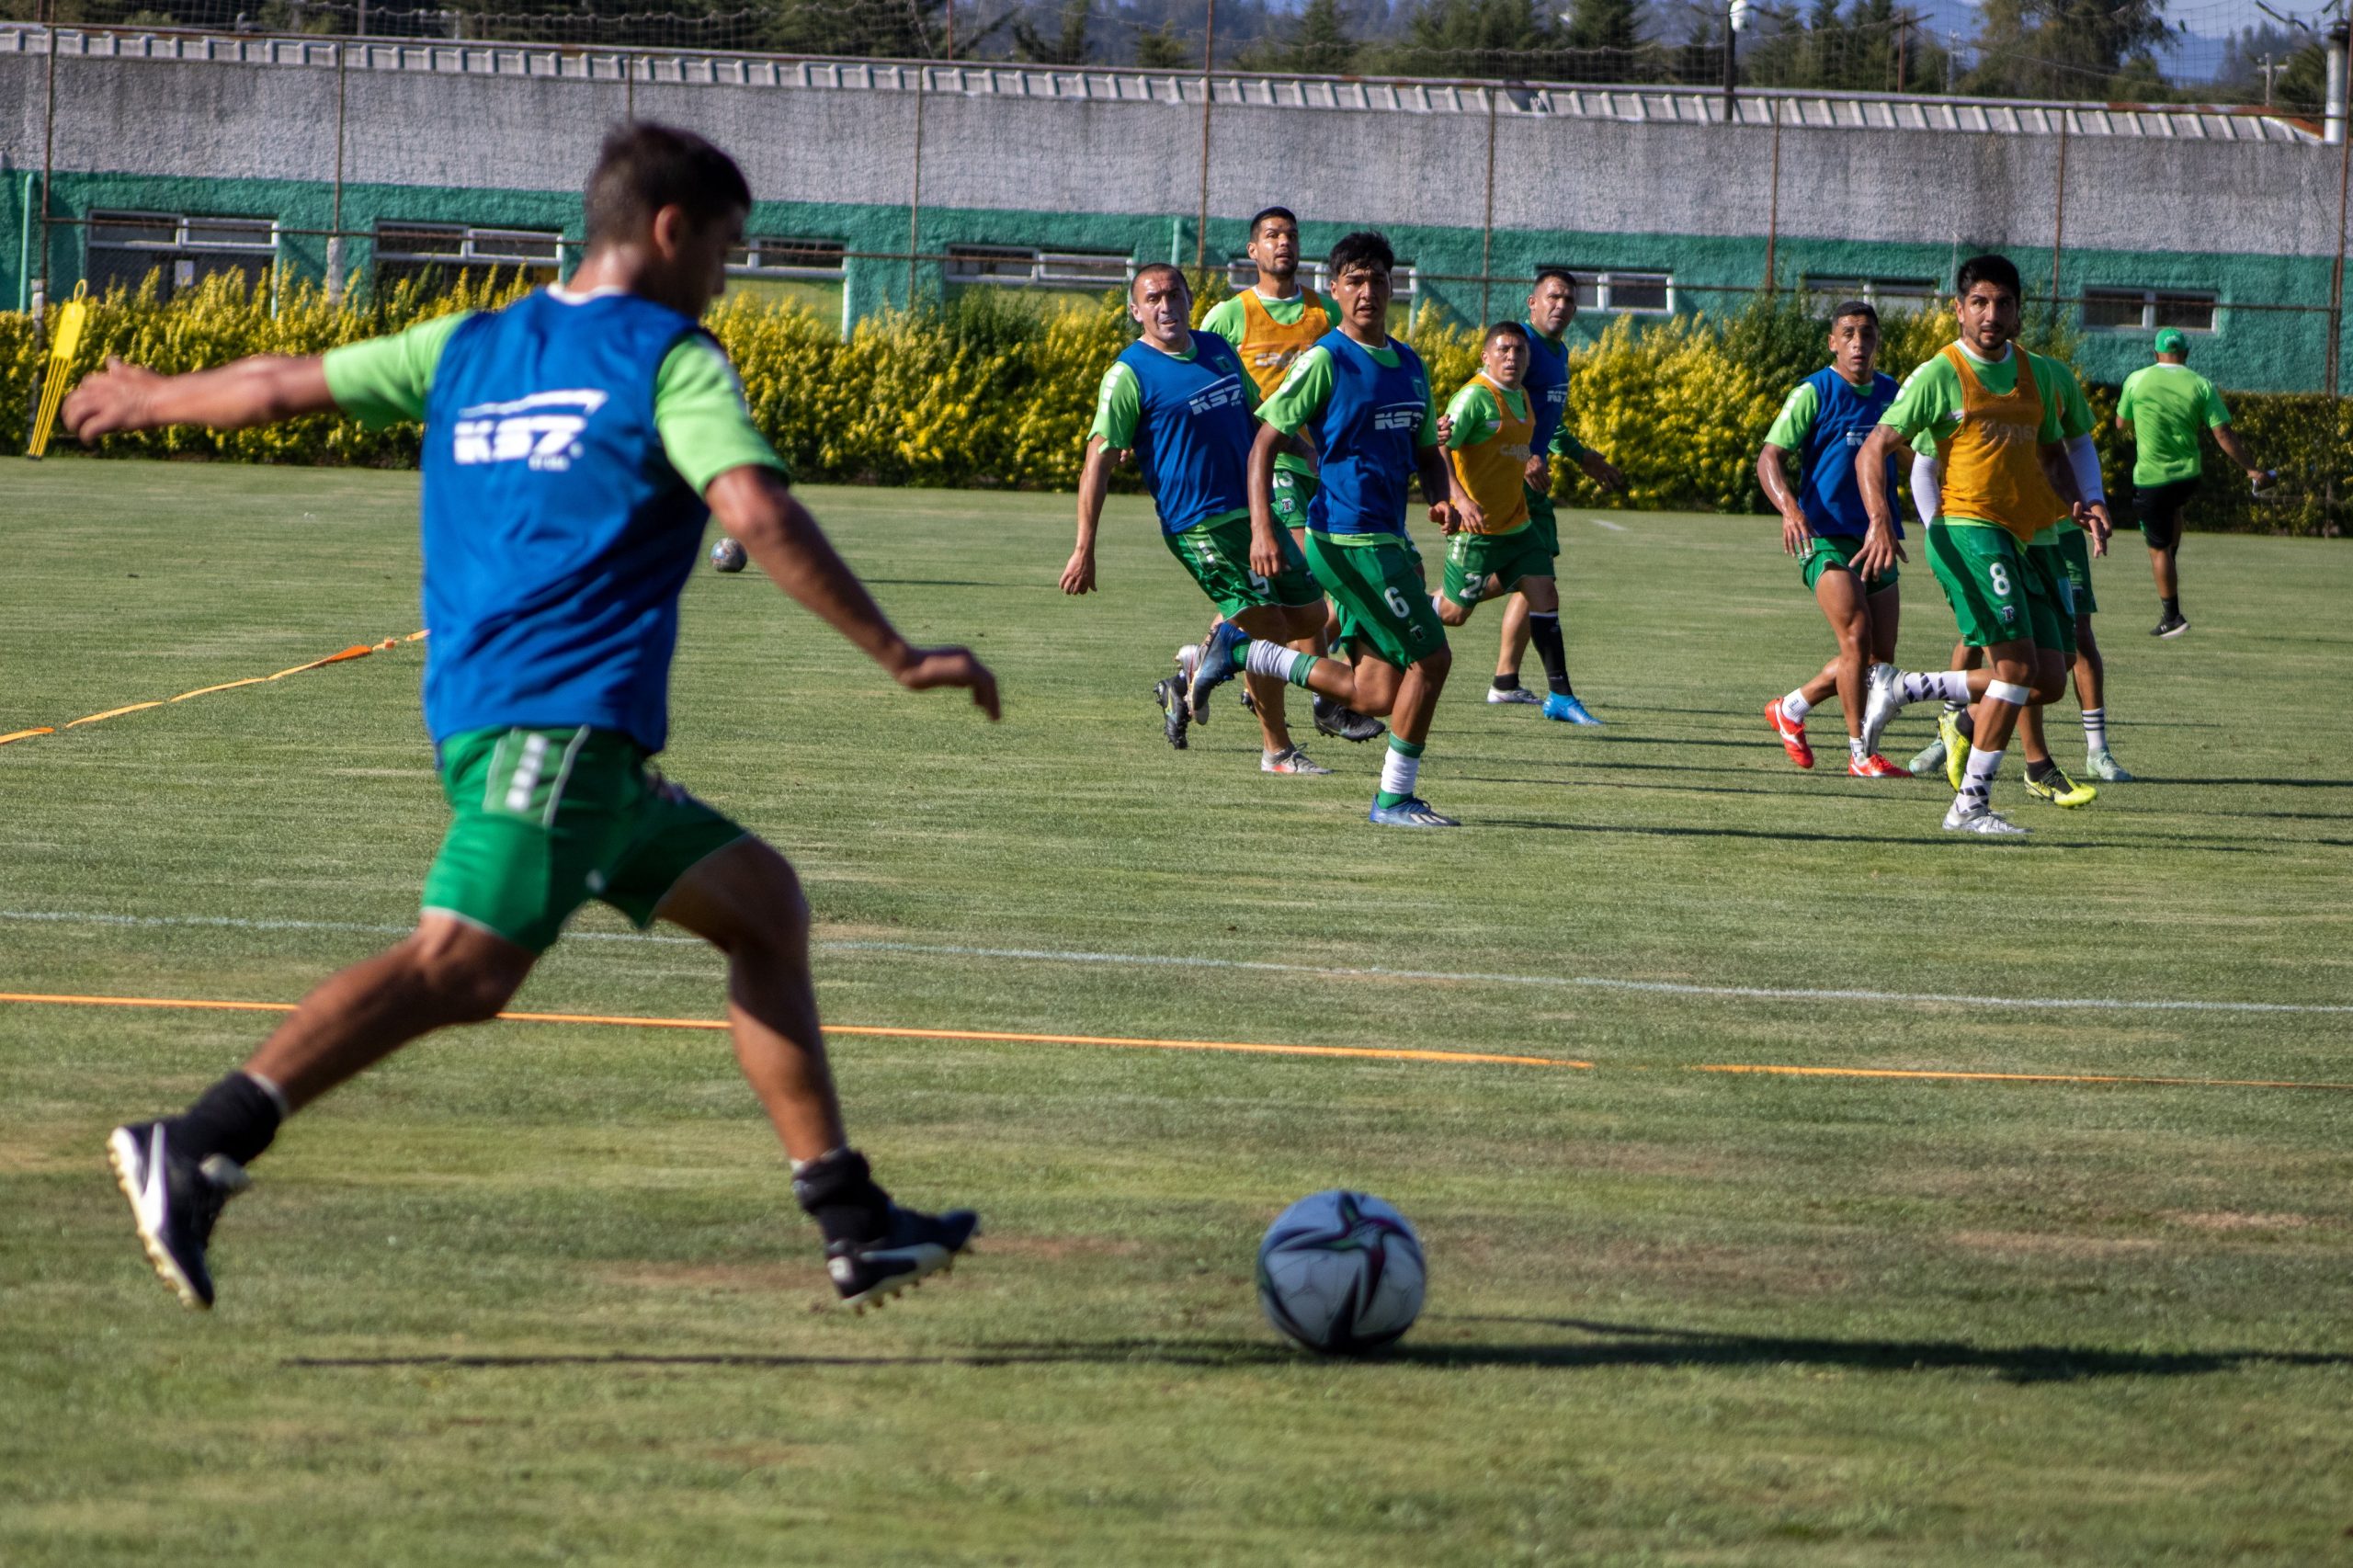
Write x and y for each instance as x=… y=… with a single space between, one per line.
x=2056 y=788
x=2102 y=765
x=1956 y=747
x=1931 y=760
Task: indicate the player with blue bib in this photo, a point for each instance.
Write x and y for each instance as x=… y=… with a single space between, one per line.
x=1180 y=400
x=1364 y=400
x=1826 y=420
x=576 y=443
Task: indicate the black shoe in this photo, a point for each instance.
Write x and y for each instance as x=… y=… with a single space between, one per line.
x=912 y=1245
x=174 y=1202
x=1176 y=717
x=1347 y=723
x=2173 y=625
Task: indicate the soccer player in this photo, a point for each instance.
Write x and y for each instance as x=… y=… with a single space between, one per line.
x=1271 y=324
x=1995 y=410
x=1364 y=399
x=1496 y=549
x=575 y=444
x=1179 y=401
x=2161 y=411
x=1826 y=420
x=1551 y=306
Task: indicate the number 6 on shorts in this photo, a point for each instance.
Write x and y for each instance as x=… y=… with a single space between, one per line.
x=1397 y=605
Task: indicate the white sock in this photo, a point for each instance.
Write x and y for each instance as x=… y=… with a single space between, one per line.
x=1855 y=752
x=1265 y=658
x=2095 y=729
x=1398 y=772
x=1950 y=685
x=1977 y=784
x=1794 y=707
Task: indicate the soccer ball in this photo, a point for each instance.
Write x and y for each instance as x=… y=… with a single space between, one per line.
x=727 y=555
x=1341 y=1272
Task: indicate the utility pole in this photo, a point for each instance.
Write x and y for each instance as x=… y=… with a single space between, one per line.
x=1209 y=91
x=1734 y=11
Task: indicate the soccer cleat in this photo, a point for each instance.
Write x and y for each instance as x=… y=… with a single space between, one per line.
x=1411 y=812
x=2102 y=765
x=1219 y=663
x=913 y=1245
x=1291 y=759
x=1347 y=723
x=1956 y=747
x=1930 y=760
x=1883 y=699
x=1980 y=818
x=1875 y=767
x=1517 y=694
x=1188 y=661
x=2058 y=790
x=173 y=1201
x=2170 y=626
x=1175 y=715
x=1792 y=736
x=1569 y=710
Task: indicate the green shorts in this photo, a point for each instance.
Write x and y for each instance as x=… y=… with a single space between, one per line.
x=1471 y=559
x=546 y=820
x=1384 y=599
x=1293 y=491
x=1218 y=555
x=2000 y=590
x=1543 y=519
x=1838 y=553
x=2075 y=555
x=2051 y=560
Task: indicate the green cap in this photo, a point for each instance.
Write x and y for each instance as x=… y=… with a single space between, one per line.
x=2170 y=341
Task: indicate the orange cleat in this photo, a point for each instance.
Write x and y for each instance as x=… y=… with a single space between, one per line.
x=1792 y=736
x=1875 y=767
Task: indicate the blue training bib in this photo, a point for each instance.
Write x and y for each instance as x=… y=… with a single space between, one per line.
x=1194 y=432
x=1367 y=436
x=1843 y=420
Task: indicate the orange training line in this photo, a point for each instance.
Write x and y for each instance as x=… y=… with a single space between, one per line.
x=357 y=651
x=225 y=686
x=2014 y=1077
x=1371 y=1052
x=111 y=713
x=27 y=734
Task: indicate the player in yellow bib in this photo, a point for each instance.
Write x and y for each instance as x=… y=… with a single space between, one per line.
x=1271 y=324
x=1497 y=550
x=1995 y=410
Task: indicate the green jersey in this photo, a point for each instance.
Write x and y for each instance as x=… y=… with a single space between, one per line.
x=2170 y=405
x=1308 y=387
x=1932 y=400
x=1474 y=414
x=698 y=408
x=1289 y=333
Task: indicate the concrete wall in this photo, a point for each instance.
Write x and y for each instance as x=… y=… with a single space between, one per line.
x=2253 y=219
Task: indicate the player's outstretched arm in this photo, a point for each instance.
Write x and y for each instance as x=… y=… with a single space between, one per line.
x=1797 y=534
x=259 y=390
x=1094 y=485
x=756 y=507
x=2235 y=450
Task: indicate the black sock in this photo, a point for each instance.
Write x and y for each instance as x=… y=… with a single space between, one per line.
x=1507 y=683
x=235 y=1117
x=2038 y=771
x=1544 y=630
x=2171 y=607
x=838 y=1190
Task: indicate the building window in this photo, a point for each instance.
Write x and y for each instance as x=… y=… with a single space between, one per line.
x=2146 y=310
x=1242 y=273
x=768 y=256
x=1018 y=267
x=1898 y=293
x=126 y=246
x=442 y=251
x=1626 y=293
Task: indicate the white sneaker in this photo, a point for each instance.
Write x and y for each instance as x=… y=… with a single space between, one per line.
x=1962 y=817
x=1517 y=694
x=1883 y=700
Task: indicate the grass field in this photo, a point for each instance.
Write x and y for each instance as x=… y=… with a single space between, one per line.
x=535 y=1292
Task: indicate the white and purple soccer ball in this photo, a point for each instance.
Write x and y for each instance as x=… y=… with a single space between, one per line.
x=1341 y=1273
x=727 y=555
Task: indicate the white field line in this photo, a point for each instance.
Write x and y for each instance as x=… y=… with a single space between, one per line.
x=1261 y=966
x=1606 y=523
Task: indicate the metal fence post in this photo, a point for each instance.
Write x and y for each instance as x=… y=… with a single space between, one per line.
x=1487 y=224
x=1208 y=93
x=914 y=190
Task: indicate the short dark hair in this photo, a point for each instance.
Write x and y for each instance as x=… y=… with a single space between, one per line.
x=1154 y=269
x=1994 y=269
x=1568 y=280
x=1504 y=329
x=1855 y=308
x=1266 y=212
x=1366 y=247
x=644 y=167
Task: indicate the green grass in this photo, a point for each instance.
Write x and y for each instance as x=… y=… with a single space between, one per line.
x=536 y=1293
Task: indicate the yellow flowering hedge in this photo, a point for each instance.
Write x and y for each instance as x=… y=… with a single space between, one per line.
x=997 y=391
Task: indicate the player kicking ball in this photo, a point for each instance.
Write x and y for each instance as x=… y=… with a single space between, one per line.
x=1180 y=402
x=1995 y=411
x=1364 y=400
x=1826 y=420
x=576 y=443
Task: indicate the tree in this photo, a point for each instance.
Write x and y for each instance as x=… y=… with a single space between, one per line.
x=1320 y=44
x=1608 y=37
x=1871 y=47
x=1160 y=49
x=1067 y=46
x=2066 y=49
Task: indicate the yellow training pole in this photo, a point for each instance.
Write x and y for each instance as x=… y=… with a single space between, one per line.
x=63 y=343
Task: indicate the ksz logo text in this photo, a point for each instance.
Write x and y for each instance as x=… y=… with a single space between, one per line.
x=543 y=430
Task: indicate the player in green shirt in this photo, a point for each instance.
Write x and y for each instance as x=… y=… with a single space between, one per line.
x=2163 y=408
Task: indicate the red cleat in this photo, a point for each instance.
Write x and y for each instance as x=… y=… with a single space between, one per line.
x=1792 y=736
x=1875 y=767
